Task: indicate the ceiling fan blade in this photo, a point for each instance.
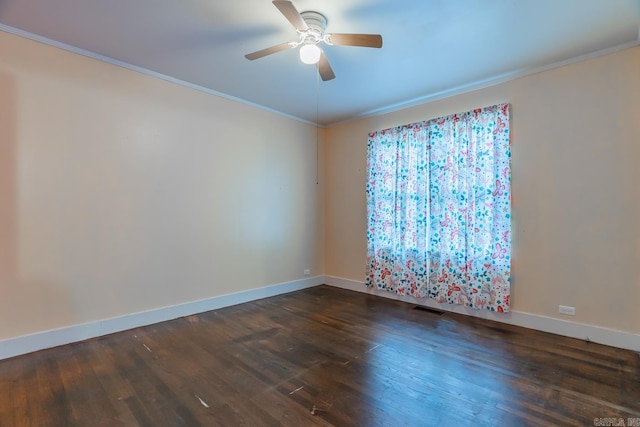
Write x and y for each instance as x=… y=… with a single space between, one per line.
x=363 y=40
x=291 y=13
x=269 y=51
x=324 y=68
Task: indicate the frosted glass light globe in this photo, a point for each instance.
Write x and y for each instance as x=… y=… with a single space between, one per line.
x=310 y=54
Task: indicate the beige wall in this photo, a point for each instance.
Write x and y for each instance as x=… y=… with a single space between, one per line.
x=121 y=193
x=576 y=188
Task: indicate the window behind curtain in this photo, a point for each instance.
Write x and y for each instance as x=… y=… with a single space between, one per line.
x=439 y=209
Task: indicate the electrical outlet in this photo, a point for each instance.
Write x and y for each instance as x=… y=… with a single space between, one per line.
x=307 y=272
x=564 y=309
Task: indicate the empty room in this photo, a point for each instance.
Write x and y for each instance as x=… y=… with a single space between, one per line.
x=319 y=213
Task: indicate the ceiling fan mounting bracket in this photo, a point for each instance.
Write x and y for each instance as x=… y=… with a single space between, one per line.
x=317 y=24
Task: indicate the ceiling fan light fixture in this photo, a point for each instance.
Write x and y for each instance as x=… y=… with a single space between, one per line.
x=310 y=53
x=311 y=26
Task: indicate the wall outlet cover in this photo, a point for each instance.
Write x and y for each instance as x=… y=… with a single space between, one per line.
x=565 y=309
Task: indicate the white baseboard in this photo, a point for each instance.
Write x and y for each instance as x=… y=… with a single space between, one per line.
x=41 y=340
x=611 y=337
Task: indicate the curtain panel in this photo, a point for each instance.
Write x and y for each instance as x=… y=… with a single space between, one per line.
x=439 y=209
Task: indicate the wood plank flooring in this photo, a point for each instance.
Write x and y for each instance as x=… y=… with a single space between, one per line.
x=322 y=357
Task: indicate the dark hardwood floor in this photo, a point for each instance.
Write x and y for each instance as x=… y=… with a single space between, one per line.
x=322 y=357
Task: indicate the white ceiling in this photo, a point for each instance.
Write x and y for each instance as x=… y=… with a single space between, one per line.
x=431 y=47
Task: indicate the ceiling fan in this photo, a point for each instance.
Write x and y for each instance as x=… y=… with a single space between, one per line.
x=310 y=27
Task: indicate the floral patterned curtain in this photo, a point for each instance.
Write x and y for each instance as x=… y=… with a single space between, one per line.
x=439 y=209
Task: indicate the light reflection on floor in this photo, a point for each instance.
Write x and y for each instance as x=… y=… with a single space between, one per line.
x=432 y=377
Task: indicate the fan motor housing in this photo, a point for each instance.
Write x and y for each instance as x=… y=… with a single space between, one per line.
x=316 y=22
